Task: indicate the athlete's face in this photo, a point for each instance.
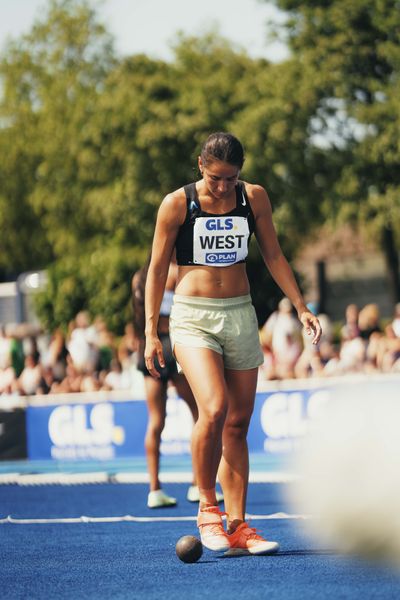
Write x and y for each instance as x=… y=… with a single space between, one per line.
x=219 y=177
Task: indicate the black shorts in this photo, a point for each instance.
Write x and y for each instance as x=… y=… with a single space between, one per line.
x=170 y=369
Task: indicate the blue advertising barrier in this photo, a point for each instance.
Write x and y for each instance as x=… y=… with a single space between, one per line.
x=113 y=425
x=100 y=431
x=111 y=428
x=281 y=418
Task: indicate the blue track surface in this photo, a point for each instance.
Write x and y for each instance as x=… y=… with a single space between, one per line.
x=136 y=560
x=175 y=463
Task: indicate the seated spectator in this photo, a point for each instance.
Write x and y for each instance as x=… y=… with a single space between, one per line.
x=352 y=354
x=396 y=320
x=368 y=321
x=388 y=350
x=5 y=348
x=8 y=378
x=30 y=347
x=90 y=382
x=350 y=328
x=312 y=361
x=330 y=360
x=47 y=381
x=116 y=378
x=105 y=343
x=267 y=369
x=72 y=380
x=82 y=343
x=282 y=333
x=31 y=376
x=55 y=355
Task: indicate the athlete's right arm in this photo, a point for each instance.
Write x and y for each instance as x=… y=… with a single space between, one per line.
x=171 y=215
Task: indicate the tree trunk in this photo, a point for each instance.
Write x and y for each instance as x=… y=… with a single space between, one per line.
x=392 y=262
x=322 y=286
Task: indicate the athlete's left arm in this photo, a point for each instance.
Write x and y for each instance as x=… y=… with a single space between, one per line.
x=275 y=260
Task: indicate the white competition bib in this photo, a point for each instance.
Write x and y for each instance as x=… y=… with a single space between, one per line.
x=220 y=241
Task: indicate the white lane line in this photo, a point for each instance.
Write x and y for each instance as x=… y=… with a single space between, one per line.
x=122 y=478
x=131 y=518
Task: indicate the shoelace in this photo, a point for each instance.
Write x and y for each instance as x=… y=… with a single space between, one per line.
x=214 y=527
x=220 y=512
x=253 y=535
x=215 y=512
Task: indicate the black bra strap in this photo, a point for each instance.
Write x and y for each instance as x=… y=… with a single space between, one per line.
x=192 y=202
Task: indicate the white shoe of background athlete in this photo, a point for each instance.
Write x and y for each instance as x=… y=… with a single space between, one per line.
x=158 y=499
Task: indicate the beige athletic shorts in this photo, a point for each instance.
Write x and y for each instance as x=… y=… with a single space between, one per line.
x=226 y=325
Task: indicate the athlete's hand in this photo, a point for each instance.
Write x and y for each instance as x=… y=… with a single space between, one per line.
x=152 y=351
x=311 y=325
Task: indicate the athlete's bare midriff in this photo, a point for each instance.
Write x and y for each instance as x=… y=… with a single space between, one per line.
x=212 y=282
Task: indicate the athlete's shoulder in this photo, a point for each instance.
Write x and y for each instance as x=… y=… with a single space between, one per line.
x=174 y=205
x=258 y=196
x=175 y=199
x=254 y=190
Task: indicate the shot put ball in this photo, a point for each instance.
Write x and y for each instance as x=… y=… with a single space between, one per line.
x=189 y=549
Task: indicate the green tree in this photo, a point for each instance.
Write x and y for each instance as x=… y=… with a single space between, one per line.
x=169 y=109
x=96 y=142
x=51 y=79
x=350 y=51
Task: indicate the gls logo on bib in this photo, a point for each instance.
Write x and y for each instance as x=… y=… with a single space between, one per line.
x=220 y=241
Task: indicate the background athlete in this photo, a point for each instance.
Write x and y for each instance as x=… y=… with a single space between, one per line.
x=156 y=389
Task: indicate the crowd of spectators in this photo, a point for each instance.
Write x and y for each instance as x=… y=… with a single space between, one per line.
x=90 y=358
x=360 y=344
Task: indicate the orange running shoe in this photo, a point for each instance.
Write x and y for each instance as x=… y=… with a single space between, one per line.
x=212 y=532
x=245 y=540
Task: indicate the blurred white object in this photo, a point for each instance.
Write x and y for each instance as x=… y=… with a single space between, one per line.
x=349 y=473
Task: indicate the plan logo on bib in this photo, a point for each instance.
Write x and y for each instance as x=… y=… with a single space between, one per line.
x=221 y=258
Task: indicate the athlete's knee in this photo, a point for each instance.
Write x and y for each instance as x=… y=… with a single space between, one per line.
x=213 y=412
x=237 y=425
x=155 y=428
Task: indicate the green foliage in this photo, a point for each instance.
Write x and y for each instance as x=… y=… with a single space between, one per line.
x=275 y=127
x=350 y=50
x=50 y=80
x=90 y=144
x=97 y=142
x=98 y=282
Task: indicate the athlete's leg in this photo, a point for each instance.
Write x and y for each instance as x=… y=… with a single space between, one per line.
x=234 y=468
x=204 y=371
x=184 y=391
x=156 y=397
